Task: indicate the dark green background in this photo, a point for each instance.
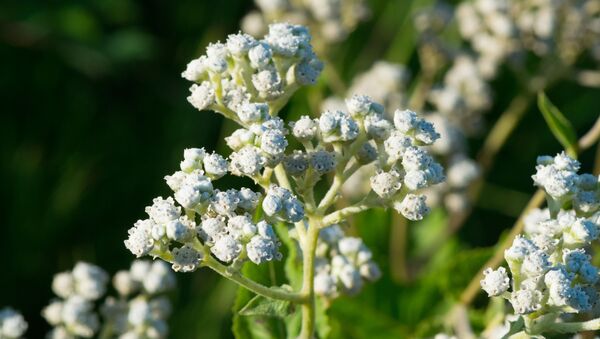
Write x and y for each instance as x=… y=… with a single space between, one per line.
x=94 y=115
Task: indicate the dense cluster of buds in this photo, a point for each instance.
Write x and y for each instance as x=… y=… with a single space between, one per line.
x=12 y=324
x=388 y=83
x=342 y=264
x=223 y=229
x=550 y=269
x=498 y=30
x=245 y=71
x=137 y=312
x=330 y=20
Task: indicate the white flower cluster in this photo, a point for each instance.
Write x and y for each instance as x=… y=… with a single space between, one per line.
x=489 y=27
x=140 y=310
x=463 y=96
x=387 y=83
x=565 y=188
x=12 y=324
x=330 y=20
x=404 y=167
x=74 y=314
x=244 y=70
x=224 y=227
x=498 y=29
x=342 y=264
x=551 y=271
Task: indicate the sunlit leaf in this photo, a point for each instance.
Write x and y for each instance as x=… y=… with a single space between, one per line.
x=559 y=125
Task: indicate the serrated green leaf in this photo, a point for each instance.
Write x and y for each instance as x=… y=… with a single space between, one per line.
x=559 y=125
x=268 y=307
x=254 y=327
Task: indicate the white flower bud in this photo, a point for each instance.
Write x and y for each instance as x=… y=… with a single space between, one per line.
x=163 y=210
x=175 y=180
x=63 y=284
x=124 y=283
x=241 y=227
x=248 y=199
x=526 y=301
x=370 y=271
x=180 y=230
x=216 y=57
x=140 y=241
x=226 y=248
x=186 y=259
x=253 y=112
x=240 y=138
x=325 y=285
x=260 y=55
x=224 y=203
x=261 y=249
x=386 y=184
x=295 y=164
x=212 y=229
x=535 y=264
x=239 y=44
x=395 y=145
x=273 y=142
x=304 y=129
x=495 y=282
x=215 y=166
x=377 y=127
x=268 y=84
x=247 y=161
x=337 y=126
x=412 y=207
x=195 y=70
x=12 y=324
x=362 y=105
x=202 y=95
x=53 y=313
x=322 y=161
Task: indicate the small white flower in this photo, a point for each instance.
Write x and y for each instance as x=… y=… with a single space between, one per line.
x=322 y=161
x=186 y=259
x=304 y=129
x=226 y=248
x=260 y=55
x=195 y=70
x=202 y=96
x=495 y=282
x=412 y=207
x=247 y=161
x=386 y=184
x=253 y=112
x=362 y=105
x=526 y=301
x=240 y=44
x=12 y=324
x=163 y=210
x=215 y=166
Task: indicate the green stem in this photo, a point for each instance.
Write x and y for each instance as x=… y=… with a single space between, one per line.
x=339 y=215
x=308 y=282
x=269 y=292
x=573 y=327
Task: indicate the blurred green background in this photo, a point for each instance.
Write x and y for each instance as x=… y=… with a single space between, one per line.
x=95 y=115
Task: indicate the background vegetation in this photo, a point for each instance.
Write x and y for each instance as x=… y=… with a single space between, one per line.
x=94 y=115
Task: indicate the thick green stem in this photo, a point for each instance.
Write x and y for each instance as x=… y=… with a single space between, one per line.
x=269 y=292
x=308 y=282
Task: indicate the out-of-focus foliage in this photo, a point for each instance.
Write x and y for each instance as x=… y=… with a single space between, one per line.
x=94 y=113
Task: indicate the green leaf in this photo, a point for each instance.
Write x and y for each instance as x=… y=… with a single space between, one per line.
x=322 y=319
x=559 y=125
x=515 y=326
x=255 y=326
x=263 y=306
